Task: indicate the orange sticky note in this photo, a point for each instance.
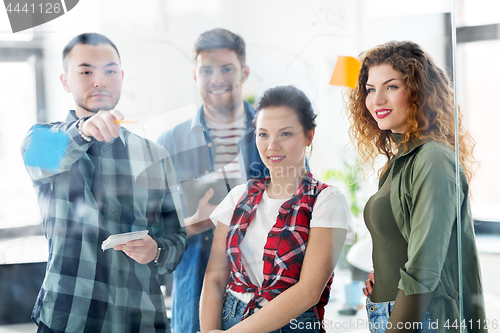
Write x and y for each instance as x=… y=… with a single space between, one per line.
x=346 y=72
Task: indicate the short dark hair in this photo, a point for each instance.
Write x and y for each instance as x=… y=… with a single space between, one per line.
x=293 y=98
x=91 y=38
x=220 y=39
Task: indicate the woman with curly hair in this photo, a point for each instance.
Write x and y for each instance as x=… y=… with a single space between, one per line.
x=403 y=108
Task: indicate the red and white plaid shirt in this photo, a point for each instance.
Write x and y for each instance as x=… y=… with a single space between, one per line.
x=285 y=246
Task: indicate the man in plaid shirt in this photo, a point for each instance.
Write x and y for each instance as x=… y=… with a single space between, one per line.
x=108 y=181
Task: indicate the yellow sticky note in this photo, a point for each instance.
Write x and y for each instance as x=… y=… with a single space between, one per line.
x=346 y=72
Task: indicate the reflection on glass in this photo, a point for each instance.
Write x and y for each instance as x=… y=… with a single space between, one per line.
x=477 y=93
x=294 y=42
x=17 y=114
x=479 y=100
x=477 y=12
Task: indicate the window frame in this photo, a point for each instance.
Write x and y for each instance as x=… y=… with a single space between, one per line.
x=32 y=52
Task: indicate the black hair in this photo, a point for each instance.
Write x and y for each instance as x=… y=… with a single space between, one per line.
x=91 y=38
x=293 y=98
x=219 y=39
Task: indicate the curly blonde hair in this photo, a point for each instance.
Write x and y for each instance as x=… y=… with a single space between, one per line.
x=431 y=111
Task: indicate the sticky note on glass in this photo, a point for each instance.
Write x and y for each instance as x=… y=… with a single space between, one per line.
x=119 y=239
x=346 y=72
x=46 y=148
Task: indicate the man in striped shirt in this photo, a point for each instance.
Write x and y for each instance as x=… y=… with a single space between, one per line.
x=108 y=181
x=218 y=143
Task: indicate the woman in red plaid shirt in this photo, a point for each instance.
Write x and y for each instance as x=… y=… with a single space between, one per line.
x=272 y=259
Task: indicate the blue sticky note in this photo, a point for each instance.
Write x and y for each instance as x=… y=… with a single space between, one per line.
x=46 y=148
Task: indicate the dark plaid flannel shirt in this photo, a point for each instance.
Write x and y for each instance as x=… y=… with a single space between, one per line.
x=98 y=190
x=285 y=246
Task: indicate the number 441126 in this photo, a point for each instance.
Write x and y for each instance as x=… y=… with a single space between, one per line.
x=42 y=8
x=480 y=324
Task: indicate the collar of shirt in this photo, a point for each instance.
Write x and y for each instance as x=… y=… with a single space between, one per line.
x=414 y=143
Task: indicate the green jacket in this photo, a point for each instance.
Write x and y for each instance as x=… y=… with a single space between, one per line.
x=423 y=202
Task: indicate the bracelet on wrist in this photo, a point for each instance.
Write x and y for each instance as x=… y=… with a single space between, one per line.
x=85 y=137
x=159 y=255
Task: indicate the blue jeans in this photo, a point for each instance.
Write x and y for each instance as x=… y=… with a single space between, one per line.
x=233 y=309
x=379 y=313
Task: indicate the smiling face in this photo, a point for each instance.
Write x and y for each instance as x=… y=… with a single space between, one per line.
x=386 y=98
x=281 y=140
x=219 y=78
x=94 y=77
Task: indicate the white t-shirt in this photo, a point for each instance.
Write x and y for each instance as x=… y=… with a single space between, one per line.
x=330 y=211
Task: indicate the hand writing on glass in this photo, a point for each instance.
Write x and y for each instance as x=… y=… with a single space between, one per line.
x=102 y=126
